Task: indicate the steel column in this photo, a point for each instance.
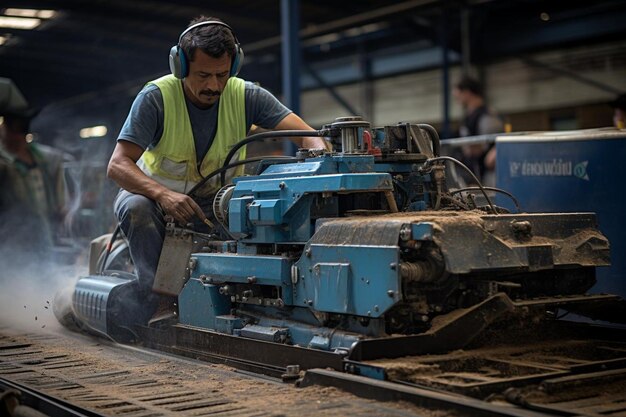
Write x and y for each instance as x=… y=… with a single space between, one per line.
x=445 y=74
x=290 y=53
x=466 y=50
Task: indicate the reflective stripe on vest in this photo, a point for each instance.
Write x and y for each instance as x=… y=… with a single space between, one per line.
x=173 y=162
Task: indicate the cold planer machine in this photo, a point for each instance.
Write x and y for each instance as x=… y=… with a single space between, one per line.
x=362 y=253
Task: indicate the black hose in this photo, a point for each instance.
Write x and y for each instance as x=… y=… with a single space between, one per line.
x=268 y=135
x=233 y=165
x=109 y=248
x=434 y=137
x=497 y=190
x=469 y=171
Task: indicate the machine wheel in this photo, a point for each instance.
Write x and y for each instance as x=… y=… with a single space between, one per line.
x=118 y=260
x=220 y=204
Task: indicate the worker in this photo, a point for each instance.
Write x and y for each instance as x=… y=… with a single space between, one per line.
x=179 y=129
x=479 y=120
x=32 y=188
x=619 y=111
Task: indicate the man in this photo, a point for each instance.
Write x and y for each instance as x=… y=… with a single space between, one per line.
x=180 y=128
x=32 y=188
x=619 y=111
x=479 y=120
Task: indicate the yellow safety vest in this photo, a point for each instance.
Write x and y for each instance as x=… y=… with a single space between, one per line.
x=173 y=162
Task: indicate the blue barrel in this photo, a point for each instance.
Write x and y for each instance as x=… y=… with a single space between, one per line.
x=574 y=171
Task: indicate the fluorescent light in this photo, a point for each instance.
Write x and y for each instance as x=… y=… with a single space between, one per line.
x=46 y=14
x=93 y=132
x=21 y=12
x=42 y=14
x=19 y=22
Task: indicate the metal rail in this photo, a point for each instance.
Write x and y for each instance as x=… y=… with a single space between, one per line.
x=133 y=381
x=389 y=391
x=248 y=354
x=42 y=402
x=480 y=139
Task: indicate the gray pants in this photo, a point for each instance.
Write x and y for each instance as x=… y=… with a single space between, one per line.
x=142 y=222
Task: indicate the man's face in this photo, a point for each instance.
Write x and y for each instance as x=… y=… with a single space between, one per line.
x=207 y=78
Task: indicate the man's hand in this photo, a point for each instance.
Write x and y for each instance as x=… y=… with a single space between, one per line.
x=315 y=143
x=180 y=206
x=124 y=171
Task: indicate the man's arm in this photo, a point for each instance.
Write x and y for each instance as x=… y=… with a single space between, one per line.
x=490 y=123
x=264 y=110
x=124 y=171
x=293 y=122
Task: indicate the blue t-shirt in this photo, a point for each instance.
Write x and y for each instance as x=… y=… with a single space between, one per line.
x=144 y=124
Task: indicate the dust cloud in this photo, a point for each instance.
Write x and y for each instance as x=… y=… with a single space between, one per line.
x=37 y=259
x=32 y=270
x=27 y=289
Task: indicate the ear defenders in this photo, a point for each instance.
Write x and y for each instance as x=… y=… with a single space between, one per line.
x=179 y=63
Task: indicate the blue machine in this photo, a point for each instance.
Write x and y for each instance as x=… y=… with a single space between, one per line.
x=368 y=243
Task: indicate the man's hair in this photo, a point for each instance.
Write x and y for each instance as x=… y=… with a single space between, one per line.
x=470 y=84
x=213 y=40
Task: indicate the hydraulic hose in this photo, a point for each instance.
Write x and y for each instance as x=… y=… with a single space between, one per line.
x=268 y=135
x=494 y=189
x=434 y=137
x=225 y=168
x=109 y=248
x=469 y=171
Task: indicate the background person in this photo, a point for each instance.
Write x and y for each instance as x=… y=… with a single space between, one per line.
x=479 y=120
x=32 y=188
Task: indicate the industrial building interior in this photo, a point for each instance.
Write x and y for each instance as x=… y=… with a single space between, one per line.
x=418 y=263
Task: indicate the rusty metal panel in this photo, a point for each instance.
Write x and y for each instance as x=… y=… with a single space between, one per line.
x=172 y=272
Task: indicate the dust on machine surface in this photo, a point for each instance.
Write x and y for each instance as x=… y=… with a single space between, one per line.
x=364 y=269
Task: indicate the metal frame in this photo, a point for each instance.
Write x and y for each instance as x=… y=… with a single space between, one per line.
x=42 y=402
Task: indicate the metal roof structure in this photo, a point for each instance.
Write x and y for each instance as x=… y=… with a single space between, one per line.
x=91 y=50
